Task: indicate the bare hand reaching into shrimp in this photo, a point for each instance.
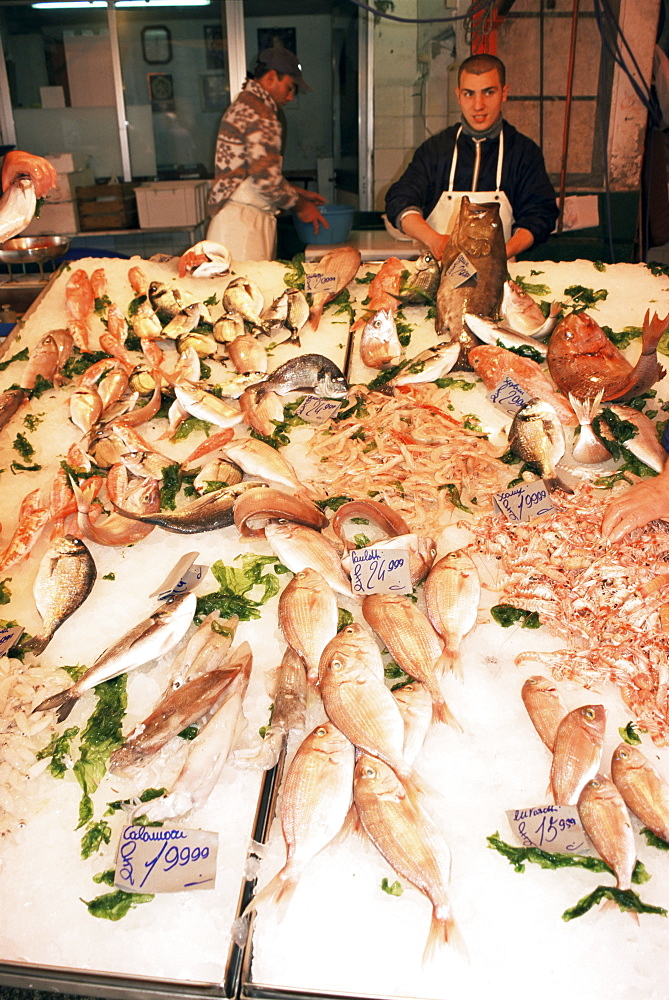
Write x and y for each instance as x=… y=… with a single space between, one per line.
x=646 y=501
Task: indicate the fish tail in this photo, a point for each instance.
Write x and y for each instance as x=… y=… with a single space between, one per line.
x=450 y=662
x=64 y=701
x=653 y=330
x=38 y=643
x=315 y=314
x=442 y=713
x=443 y=930
x=278 y=891
x=555 y=483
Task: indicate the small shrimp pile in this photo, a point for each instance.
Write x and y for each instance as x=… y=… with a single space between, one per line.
x=406 y=449
x=606 y=600
x=21 y=737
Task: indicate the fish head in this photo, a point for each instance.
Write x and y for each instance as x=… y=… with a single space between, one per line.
x=540 y=683
x=599 y=789
x=333 y=385
x=581 y=332
x=592 y=720
x=627 y=758
x=479 y=227
x=328 y=740
x=374 y=777
x=381 y=324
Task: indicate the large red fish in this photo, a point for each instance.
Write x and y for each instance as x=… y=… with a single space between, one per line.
x=583 y=361
x=492 y=364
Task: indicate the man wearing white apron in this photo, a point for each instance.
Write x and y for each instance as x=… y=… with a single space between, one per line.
x=249 y=188
x=485 y=158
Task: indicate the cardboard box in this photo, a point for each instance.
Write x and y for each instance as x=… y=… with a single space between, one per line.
x=60 y=218
x=107 y=206
x=65 y=163
x=66 y=189
x=168 y=204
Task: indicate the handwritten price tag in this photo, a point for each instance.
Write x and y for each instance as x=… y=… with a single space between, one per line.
x=551 y=828
x=375 y=571
x=524 y=502
x=9 y=636
x=460 y=271
x=509 y=396
x=315 y=410
x=319 y=282
x=165 y=859
x=185 y=576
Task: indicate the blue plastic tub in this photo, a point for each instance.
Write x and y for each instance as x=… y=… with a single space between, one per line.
x=340 y=220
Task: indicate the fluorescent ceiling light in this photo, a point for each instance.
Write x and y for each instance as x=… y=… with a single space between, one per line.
x=85 y=4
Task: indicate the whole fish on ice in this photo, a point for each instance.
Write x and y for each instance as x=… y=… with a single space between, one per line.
x=606 y=821
x=380 y=346
x=493 y=364
x=64 y=580
x=152 y=637
x=645 y=791
x=545 y=707
x=577 y=752
x=521 y=313
x=537 y=437
x=313 y=373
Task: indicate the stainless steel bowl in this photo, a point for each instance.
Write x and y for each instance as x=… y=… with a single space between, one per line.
x=33 y=249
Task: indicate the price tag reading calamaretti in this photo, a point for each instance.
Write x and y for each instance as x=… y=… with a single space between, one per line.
x=165 y=859
x=524 y=502
x=319 y=281
x=509 y=396
x=460 y=271
x=380 y=571
x=315 y=410
x=8 y=637
x=556 y=829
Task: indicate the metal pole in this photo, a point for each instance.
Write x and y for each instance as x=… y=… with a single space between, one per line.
x=366 y=111
x=234 y=27
x=567 y=114
x=118 y=92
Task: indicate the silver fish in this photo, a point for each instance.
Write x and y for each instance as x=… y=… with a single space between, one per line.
x=151 y=638
x=64 y=580
x=588 y=449
x=276 y=314
x=522 y=314
x=422 y=284
x=428 y=366
x=313 y=373
x=644 y=445
x=298 y=313
x=207 y=513
x=299 y=547
x=536 y=436
x=227 y=327
x=200 y=403
x=379 y=344
x=244 y=297
x=166 y=301
x=17 y=207
x=491 y=332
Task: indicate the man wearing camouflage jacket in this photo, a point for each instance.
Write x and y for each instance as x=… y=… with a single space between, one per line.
x=249 y=188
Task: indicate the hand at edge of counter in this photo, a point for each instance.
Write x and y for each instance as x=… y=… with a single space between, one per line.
x=414 y=225
x=646 y=501
x=18 y=162
x=306 y=210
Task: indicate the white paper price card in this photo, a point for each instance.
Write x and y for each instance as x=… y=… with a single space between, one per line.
x=556 y=829
x=509 y=396
x=461 y=270
x=185 y=576
x=319 y=281
x=380 y=571
x=165 y=859
x=315 y=410
x=8 y=637
x=524 y=502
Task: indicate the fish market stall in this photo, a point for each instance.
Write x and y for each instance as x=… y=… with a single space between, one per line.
x=62 y=813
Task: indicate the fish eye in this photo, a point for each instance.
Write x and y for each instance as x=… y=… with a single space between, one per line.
x=595 y=783
x=321 y=731
x=622 y=754
x=589 y=713
x=368 y=771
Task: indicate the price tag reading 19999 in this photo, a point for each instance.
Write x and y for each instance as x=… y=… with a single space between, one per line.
x=380 y=571
x=165 y=859
x=524 y=502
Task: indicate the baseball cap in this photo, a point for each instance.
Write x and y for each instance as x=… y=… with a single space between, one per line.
x=283 y=61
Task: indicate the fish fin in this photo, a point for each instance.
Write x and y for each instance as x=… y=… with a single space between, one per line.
x=38 y=643
x=443 y=930
x=653 y=330
x=442 y=713
x=450 y=662
x=64 y=701
x=352 y=825
x=278 y=891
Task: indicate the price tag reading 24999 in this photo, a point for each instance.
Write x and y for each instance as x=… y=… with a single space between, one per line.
x=524 y=502
x=380 y=571
x=155 y=859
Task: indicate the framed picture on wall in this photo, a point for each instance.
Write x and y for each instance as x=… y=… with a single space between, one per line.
x=156 y=44
x=214 y=46
x=269 y=38
x=161 y=91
